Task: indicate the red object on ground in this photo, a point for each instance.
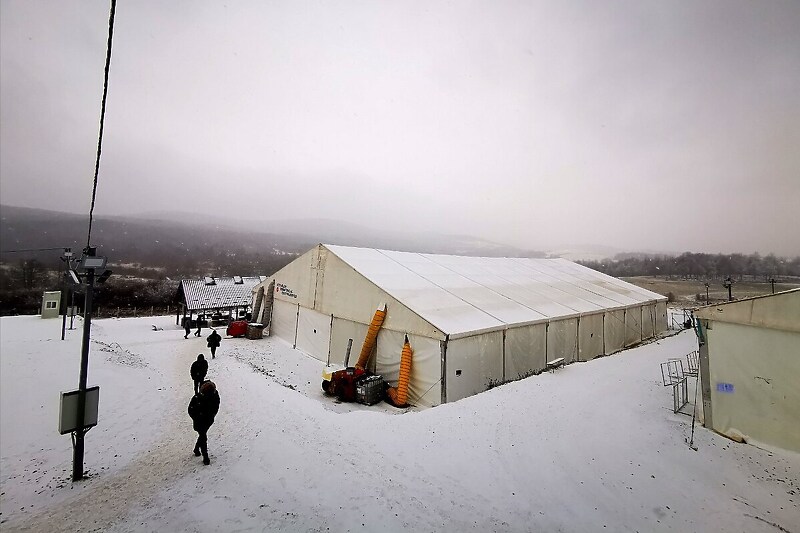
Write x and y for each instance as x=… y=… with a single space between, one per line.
x=237 y=328
x=343 y=383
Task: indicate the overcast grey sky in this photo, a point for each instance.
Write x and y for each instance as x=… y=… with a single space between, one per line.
x=659 y=125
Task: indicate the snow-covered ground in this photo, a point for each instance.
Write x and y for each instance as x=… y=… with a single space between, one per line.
x=592 y=447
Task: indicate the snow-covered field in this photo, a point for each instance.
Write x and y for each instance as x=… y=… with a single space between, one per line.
x=592 y=447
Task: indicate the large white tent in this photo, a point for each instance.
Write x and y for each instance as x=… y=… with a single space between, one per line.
x=473 y=322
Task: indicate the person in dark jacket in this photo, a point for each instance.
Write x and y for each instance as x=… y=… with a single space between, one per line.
x=199 y=325
x=198 y=371
x=187 y=327
x=203 y=408
x=213 y=342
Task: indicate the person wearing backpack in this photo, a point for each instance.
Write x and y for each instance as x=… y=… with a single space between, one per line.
x=213 y=342
x=198 y=371
x=202 y=409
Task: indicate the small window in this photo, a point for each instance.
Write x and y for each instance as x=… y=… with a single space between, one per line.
x=51 y=304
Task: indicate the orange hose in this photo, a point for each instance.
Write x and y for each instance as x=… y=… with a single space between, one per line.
x=398 y=396
x=371 y=338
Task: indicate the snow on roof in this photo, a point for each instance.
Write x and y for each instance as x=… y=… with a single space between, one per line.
x=461 y=294
x=218 y=293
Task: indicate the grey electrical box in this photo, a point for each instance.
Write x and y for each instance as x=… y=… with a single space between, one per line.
x=68 y=410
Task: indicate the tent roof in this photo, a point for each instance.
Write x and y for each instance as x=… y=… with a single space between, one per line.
x=218 y=293
x=459 y=294
x=775 y=311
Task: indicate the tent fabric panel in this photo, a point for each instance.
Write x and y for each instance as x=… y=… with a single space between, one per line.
x=661 y=317
x=473 y=364
x=615 y=284
x=313 y=333
x=584 y=278
x=753 y=377
x=476 y=294
x=568 y=282
x=590 y=336
x=296 y=281
x=614 y=331
x=633 y=325
x=648 y=321
x=424 y=388
x=343 y=330
x=347 y=293
x=284 y=321
x=525 y=351
x=510 y=283
x=520 y=270
x=562 y=340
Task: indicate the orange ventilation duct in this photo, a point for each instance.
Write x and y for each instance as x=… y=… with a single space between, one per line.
x=372 y=337
x=398 y=396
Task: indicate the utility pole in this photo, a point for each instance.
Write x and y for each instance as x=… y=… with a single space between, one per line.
x=67 y=257
x=706 y=293
x=77 y=455
x=89 y=263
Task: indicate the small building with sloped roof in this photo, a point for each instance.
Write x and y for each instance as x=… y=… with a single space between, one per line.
x=473 y=322
x=210 y=295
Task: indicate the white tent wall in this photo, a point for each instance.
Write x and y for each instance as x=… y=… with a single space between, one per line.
x=633 y=325
x=590 y=336
x=296 y=282
x=614 y=330
x=562 y=340
x=284 y=320
x=525 y=351
x=648 y=321
x=424 y=388
x=346 y=293
x=758 y=368
x=473 y=364
x=661 y=316
x=341 y=331
x=313 y=333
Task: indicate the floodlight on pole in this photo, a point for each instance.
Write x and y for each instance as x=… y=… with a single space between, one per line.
x=728 y=283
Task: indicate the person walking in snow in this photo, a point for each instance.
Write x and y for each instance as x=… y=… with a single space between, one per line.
x=213 y=342
x=199 y=325
x=198 y=371
x=187 y=327
x=203 y=408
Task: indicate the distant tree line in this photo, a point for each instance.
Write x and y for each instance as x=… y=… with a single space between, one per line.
x=699 y=266
x=132 y=285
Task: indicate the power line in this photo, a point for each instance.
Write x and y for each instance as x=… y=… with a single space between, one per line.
x=30 y=250
x=102 y=117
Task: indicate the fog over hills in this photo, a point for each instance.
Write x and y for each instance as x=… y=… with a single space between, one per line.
x=183 y=240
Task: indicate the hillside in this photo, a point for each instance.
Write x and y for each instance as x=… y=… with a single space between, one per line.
x=183 y=243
